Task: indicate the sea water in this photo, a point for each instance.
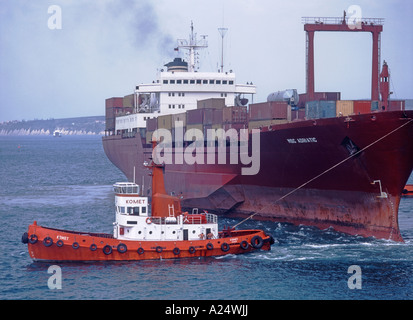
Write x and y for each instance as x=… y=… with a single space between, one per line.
x=67 y=183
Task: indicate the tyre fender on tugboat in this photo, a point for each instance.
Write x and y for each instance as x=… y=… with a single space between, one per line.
x=25 y=238
x=225 y=247
x=257 y=242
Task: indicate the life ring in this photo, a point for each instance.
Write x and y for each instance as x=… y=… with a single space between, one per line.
x=93 y=247
x=244 y=245
x=47 y=241
x=122 y=248
x=75 y=245
x=159 y=249
x=141 y=250
x=148 y=220
x=107 y=249
x=176 y=251
x=209 y=246
x=33 y=239
x=225 y=247
x=59 y=243
x=25 y=238
x=191 y=249
x=257 y=242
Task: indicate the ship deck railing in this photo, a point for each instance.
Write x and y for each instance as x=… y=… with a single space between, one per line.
x=195 y=218
x=339 y=20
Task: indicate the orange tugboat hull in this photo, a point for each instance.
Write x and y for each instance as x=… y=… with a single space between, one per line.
x=47 y=244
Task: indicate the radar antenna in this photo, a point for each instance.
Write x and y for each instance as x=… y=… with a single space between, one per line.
x=192 y=45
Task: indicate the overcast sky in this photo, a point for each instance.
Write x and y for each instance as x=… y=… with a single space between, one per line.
x=104 y=48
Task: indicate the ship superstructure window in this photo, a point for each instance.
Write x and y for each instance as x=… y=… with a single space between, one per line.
x=165 y=82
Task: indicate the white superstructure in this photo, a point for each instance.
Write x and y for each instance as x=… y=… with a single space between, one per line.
x=180 y=87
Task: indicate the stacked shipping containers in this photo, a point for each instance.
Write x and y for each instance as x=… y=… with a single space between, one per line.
x=268 y=113
x=113 y=106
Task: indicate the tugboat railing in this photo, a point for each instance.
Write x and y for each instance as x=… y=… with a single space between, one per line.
x=197 y=218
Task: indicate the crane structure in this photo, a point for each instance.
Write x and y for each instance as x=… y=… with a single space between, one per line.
x=313 y=24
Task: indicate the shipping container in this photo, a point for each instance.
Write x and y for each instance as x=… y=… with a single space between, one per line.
x=320 y=109
x=395 y=105
x=234 y=114
x=269 y=110
x=129 y=101
x=344 y=108
x=199 y=116
x=362 y=106
x=151 y=124
x=165 y=122
x=179 y=117
x=212 y=103
x=115 y=102
x=149 y=136
x=217 y=116
x=199 y=126
x=375 y=105
x=297 y=114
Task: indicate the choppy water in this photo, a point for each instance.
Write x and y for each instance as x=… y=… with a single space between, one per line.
x=66 y=183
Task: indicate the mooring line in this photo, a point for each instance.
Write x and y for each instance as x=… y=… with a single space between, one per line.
x=328 y=170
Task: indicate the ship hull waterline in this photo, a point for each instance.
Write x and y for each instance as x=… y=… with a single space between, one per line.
x=360 y=196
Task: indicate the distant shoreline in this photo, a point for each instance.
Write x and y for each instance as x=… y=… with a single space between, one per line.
x=94 y=125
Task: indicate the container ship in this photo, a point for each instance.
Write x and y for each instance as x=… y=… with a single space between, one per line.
x=313 y=159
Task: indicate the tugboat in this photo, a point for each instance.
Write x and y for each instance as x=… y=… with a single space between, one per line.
x=408 y=190
x=143 y=232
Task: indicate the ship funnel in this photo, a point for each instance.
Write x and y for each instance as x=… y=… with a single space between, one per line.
x=178 y=65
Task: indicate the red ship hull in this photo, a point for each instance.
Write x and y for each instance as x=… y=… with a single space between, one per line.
x=358 y=196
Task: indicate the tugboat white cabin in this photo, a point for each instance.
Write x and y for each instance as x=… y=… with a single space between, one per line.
x=134 y=220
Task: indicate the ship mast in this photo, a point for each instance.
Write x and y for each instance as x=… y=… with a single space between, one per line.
x=222 y=32
x=192 y=45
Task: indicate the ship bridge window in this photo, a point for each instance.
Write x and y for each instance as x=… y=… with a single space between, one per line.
x=191 y=81
x=224 y=82
x=198 y=81
x=218 y=82
x=205 y=81
x=185 y=81
x=133 y=211
x=165 y=82
x=172 y=81
x=211 y=81
x=231 y=82
x=178 y=81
